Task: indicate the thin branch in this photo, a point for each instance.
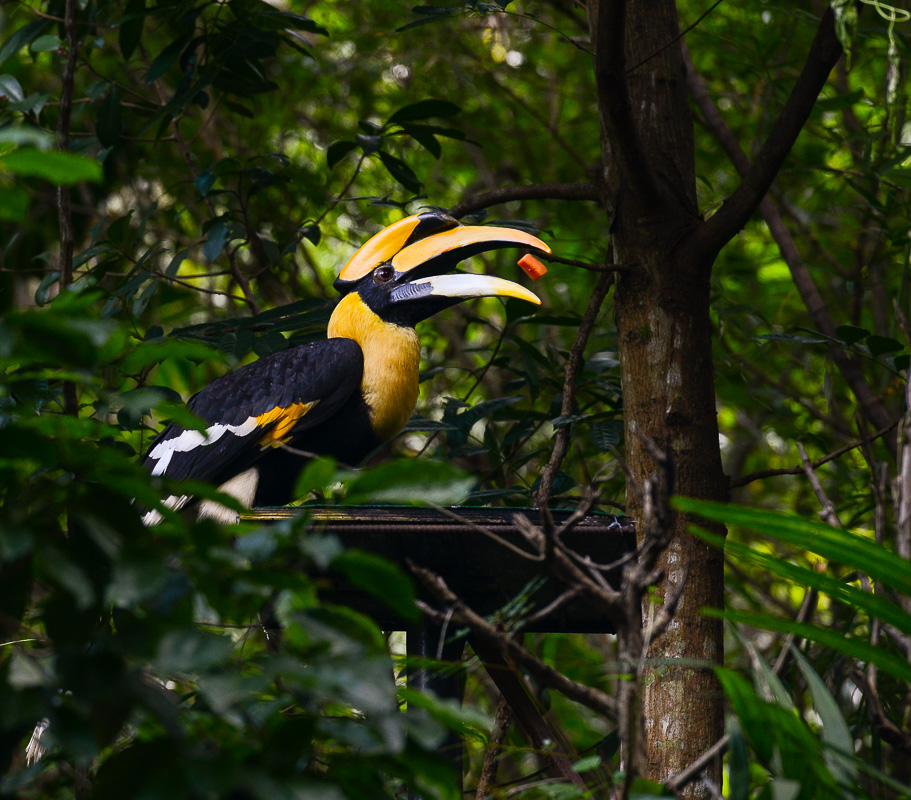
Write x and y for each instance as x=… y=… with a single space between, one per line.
x=543 y=673
x=64 y=204
x=871 y=405
x=771 y=473
x=677 y=38
x=548 y=476
x=534 y=191
x=708 y=239
x=828 y=513
x=690 y=773
x=502 y=721
x=547 y=739
x=541 y=119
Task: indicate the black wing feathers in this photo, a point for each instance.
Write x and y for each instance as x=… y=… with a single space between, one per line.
x=327 y=372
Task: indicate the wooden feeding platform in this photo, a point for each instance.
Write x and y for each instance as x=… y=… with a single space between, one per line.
x=482 y=571
x=465 y=546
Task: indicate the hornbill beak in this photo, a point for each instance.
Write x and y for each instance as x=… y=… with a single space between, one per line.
x=460 y=287
x=421 y=248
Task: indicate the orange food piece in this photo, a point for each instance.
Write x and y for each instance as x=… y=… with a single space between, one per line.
x=532 y=266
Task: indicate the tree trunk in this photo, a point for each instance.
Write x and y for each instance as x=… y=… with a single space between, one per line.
x=664 y=332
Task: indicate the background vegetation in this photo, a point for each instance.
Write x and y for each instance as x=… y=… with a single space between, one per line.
x=179 y=185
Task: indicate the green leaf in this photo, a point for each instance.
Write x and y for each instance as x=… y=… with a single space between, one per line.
x=876 y=605
x=411 y=481
x=832 y=638
x=368 y=144
x=184 y=650
x=269 y=343
x=167 y=57
x=850 y=334
x=381 y=578
x=46 y=44
x=337 y=151
x=400 y=171
x=215 y=243
x=790 y=337
x=607 y=434
x=59 y=167
x=22 y=37
x=43 y=292
x=839 y=751
x=428 y=141
x=467 y=722
x=26 y=136
x=131 y=27
x=108 y=124
x=311 y=233
x=739 y=763
x=835 y=544
x=316 y=476
x=11 y=88
x=881 y=344
x=290 y=20
x=424 y=109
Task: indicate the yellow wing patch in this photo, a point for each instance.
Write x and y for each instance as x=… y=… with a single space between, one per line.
x=285 y=419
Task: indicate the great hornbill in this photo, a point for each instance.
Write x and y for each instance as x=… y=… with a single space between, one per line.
x=343 y=396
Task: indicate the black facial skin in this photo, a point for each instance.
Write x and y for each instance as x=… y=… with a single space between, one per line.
x=393 y=298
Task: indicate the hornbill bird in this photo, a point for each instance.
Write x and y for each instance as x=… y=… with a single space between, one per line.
x=343 y=396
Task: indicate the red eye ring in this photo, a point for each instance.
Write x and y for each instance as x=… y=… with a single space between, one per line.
x=384 y=274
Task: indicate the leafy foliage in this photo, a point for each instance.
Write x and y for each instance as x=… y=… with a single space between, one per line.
x=225 y=159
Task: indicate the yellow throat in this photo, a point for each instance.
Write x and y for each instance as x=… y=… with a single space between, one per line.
x=392 y=355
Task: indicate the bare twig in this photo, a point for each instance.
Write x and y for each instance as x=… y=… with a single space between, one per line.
x=872 y=405
x=64 y=205
x=535 y=191
x=542 y=672
x=710 y=237
x=770 y=473
x=502 y=721
x=549 y=474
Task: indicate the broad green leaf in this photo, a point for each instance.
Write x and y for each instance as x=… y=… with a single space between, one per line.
x=412 y=481
x=107 y=126
x=839 y=754
x=316 y=476
x=11 y=88
x=834 y=639
x=337 y=151
x=27 y=136
x=424 y=109
x=184 y=650
x=217 y=238
x=851 y=334
x=61 y=168
x=46 y=44
x=838 y=545
x=881 y=344
x=400 y=171
x=131 y=26
x=875 y=605
x=26 y=34
x=463 y=720
x=167 y=57
x=381 y=578
x=739 y=763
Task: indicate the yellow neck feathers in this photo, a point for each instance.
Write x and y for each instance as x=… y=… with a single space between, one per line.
x=392 y=356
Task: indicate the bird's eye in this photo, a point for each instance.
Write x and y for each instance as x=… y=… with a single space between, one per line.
x=384 y=274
